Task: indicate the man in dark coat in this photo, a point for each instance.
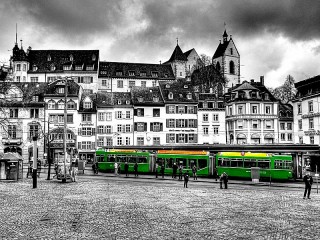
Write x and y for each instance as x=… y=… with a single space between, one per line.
x=135 y=168
x=308 y=183
x=126 y=168
x=186 y=179
x=162 y=170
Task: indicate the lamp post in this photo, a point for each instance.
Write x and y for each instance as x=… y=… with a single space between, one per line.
x=35 y=158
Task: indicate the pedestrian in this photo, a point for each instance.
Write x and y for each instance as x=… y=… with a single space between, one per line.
x=116 y=168
x=95 y=167
x=180 y=172
x=194 y=172
x=135 y=168
x=157 y=165
x=215 y=174
x=162 y=170
x=186 y=179
x=174 y=170
x=119 y=168
x=38 y=167
x=126 y=169
x=224 y=179
x=308 y=183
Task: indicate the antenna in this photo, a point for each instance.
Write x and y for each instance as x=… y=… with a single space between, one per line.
x=177 y=41
x=17 y=33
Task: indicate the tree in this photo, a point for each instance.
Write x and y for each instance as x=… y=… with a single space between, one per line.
x=285 y=92
x=206 y=60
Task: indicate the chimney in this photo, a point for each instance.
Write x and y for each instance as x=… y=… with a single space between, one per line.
x=262 y=80
x=252 y=80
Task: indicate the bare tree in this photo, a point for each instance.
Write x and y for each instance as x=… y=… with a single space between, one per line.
x=285 y=92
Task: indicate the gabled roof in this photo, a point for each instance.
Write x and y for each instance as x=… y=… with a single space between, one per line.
x=177 y=55
x=44 y=59
x=187 y=53
x=179 y=90
x=147 y=96
x=221 y=49
x=93 y=98
x=136 y=70
x=244 y=86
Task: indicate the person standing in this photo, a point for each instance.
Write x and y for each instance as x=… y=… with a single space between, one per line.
x=186 y=179
x=224 y=180
x=180 y=172
x=135 y=168
x=157 y=165
x=162 y=170
x=126 y=168
x=174 y=170
x=308 y=183
x=119 y=168
x=116 y=168
x=194 y=171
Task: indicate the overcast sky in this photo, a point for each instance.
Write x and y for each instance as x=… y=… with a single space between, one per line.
x=274 y=38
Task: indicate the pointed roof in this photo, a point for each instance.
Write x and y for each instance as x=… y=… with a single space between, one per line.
x=187 y=53
x=177 y=55
x=221 y=49
x=245 y=86
x=225 y=34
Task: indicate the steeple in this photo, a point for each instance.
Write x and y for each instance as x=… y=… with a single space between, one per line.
x=225 y=36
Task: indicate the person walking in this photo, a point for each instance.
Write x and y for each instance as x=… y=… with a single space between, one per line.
x=186 y=179
x=174 y=170
x=156 y=169
x=135 y=169
x=119 y=168
x=162 y=170
x=308 y=183
x=194 y=172
x=180 y=172
x=116 y=168
x=224 y=179
x=126 y=168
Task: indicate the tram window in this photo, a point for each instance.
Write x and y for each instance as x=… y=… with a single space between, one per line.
x=263 y=164
x=248 y=163
x=236 y=163
x=160 y=161
x=287 y=164
x=100 y=158
x=111 y=159
x=223 y=162
x=121 y=158
x=192 y=162
x=169 y=163
x=142 y=159
x=182 y=161
x=203 y=163
x=277 y=164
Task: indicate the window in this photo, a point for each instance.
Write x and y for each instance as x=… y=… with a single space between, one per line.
x=12 y=131
x=87 y=131
x=14 y=113
x=205 y=130
x=268 y=124
x=170 y=96
x=143 y=84
x=34 y=113
x=300 y=124
x=140 y=112
x=215 y=117
x=192 y=123
x=205 y=117
x=156 y=112
x=52 y=67
x=310 y=105
x=282 y=126
x=311 y=125
x=231 y=67
x=231 y=51
x=90 y=67
x=86 y=79
x=86 y=145
x=283 y=137
x=87 y=105
x=289 y=126
x=170 y=138
x=289 y=136
x=18 y=67
x=181 y=109
x=230 y=110
x=156 y=141
x=86 y=117
x=154 y=74
x=215 y=130
x=104 y=82
x=311 y=139
x=33 y=130
x=60 y=90
x=128 y=141
x=119 y=84
x=71 y=105
x=79 y=67
x=128 y=115
x=181 y=138
x=254 y=109
x=18 y=78
x=51 y=104
x=240 y=110
x=100 y=142
x=140 y=141
x=118 y=115
x=180 y=73
x=100 y=129
x=51 y=79
x=119 y=128
x=268 y=110
x=34 y=68
x=128 y=128
x=180 y=123
x=155 y=98
x=301 y=140
x=35 y=98
x=156 y=127
x=299 y=108
x=143 y=74
x=61 y=104
x=66 y=67
x=108 y=129
x=34 y=79
x=255 y=124
x=171 y=123
x=131 y=73
x=171 y=109
x=154 y=83
x=132 y=84
x=24 y=67
x=140 y=126
x=191 y=109
x=101 y=116
x=240 y=124
x=118 y=73
x=109 y=116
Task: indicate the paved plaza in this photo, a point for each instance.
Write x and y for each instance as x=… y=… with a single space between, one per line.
x=108 y=207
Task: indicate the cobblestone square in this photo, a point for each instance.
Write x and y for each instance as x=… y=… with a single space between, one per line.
x=102 y=207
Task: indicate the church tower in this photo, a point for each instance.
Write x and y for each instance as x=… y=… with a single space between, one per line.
x=226 y=59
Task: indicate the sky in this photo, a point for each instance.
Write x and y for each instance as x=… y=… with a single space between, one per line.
x=274 y=38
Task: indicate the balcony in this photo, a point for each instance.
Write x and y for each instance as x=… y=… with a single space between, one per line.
x=12 y=141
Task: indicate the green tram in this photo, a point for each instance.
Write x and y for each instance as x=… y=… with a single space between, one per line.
x=185 y=158
x=107 y=158
x=239 y=164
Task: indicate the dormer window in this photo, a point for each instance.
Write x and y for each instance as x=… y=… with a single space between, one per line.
x=180 y=95
x=35 y=98
x=118 y=73
x=185 y=86
x=90 y=67
x=156 y=99
x=253 y=94
x=154 y=74
x=52 y=67
x=34 y=68
x=167 y=86
x=131 y=73
x=60 y=90
x=189 y=96
x=87 y=103
x=170 y=96
x=67 y=67
x=266 y=96
x=71 y=57
x=94 y=57
x=127 y=102
x=49 y=58
x=140 y=99
x=119 y=102
x=79 y=67
x=143 y=74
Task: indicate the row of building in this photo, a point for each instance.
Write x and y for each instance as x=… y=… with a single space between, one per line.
x=118 y=104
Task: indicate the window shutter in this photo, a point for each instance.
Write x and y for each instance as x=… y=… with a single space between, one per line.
x=196 y=138
x=177 y=138
x=177 y=109
x=37 y=113
x=135 y=112
x=185 y=109
x=75 y=106
x=56 y=105
x=91 y=79
x=79 y=131
x=142 y=112
x=186 y=123
x=93 y=131
x=81 y=79
x=151 y=127
x=195 y=109
x=177 y=123
x=145 y=127
x=167 y=123
x=186 y=138
x=167 y=137
x=46 y=105
x=167 y=109
x=79 y=145
x=123 y=128
x=135 y=126
x=31 y=113
x=161 y=127
x=196 y=123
